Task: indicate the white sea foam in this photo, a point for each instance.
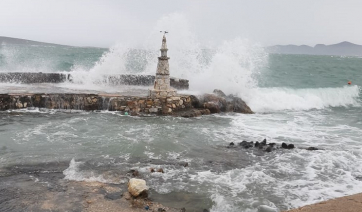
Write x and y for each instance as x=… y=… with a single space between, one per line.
x=74 y=172
x=276 y=99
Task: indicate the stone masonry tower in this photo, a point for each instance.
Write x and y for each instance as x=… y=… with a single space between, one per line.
x=161 y=86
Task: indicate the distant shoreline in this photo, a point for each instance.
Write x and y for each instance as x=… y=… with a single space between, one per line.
x=341 y=49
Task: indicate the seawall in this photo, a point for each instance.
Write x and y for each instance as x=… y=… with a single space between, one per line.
x=93 y=102
x=122 y=79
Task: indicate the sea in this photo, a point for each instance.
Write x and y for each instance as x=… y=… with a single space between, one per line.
x=299 y=99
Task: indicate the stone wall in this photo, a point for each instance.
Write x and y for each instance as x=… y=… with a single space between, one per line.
x=93 y=102
x=125 y=79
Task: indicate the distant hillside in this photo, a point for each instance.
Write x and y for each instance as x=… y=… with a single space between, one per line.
x=18 y=41
x=344 y=48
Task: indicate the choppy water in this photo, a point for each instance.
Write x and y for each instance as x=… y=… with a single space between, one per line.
x=298 y=99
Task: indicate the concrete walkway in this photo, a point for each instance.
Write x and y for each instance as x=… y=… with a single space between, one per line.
x=351 y=203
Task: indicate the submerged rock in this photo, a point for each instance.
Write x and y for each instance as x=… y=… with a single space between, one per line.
x=312 y=148
x=137 y=187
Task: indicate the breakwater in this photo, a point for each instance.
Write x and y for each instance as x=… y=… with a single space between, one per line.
x=122 y=79
x=181 y=105
x=91 y=102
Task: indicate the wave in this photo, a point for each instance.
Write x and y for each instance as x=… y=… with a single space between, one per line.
x=276 y=99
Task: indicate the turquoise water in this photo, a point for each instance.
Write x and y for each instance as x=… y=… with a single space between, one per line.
x=299 y=99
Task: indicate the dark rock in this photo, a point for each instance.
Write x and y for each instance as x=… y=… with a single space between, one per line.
x=246 y=144
x=212 y=107
x=219 y=93
x=231 y=144
x=195 y=102
x=205 y=210
x=269 y=149
x=284 y=146
x=152 y=170
x=160 y=170
x=271 y=144
x=263 y=142
x=257 y=144
x=312 y=148
x=161 y=210
x=290 y=146
x=183 y=210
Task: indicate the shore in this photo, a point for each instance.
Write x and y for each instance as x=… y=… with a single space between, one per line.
x=352 y=203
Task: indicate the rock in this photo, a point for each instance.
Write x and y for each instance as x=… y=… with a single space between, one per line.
x=246 y=144
x=290 y=146
x=269 y=149
x=284 y=146
x=195 y=102
x=312 y=148
x=134 y=173
x=265 y=208
x=263 y=142
x=205 y=210
x=160 y=170
x=152 y=170
x=239 y=106
x=183 y=210
x=212 y=107
x=219 y=93
x=137 y=187
x=257 y=144
x=231 y=144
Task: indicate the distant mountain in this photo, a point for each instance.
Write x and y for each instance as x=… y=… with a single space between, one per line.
x=344 y=49
x=18 y=41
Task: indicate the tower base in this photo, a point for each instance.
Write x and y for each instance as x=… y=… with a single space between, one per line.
x=161 y=93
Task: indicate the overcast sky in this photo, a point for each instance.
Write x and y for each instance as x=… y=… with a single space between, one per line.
x=106 y=22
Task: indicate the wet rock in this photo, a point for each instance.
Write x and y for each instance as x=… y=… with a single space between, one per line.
x=231 y=144
x=263 y=142
x=312 y=148
x=134 y=173
x=284 y=146
x=212 y=107
x=246 y=144
x=265 y=208
x=257 y=144
x=287 y=146
x=290 y=146
x=219 y=93
x=271 y=144
x=269 y=149
x=160 y=170
x=137 y=187
x=152 y=170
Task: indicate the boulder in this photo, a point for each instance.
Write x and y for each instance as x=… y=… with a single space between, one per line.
x=213 y=107
x=137 y=187
x=219 y=102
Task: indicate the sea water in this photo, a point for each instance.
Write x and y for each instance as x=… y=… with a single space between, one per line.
x=299 y=99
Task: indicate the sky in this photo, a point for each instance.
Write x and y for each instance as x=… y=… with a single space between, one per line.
x=103 y=23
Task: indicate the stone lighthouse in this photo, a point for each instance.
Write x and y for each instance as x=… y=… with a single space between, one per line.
x=161 y=87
